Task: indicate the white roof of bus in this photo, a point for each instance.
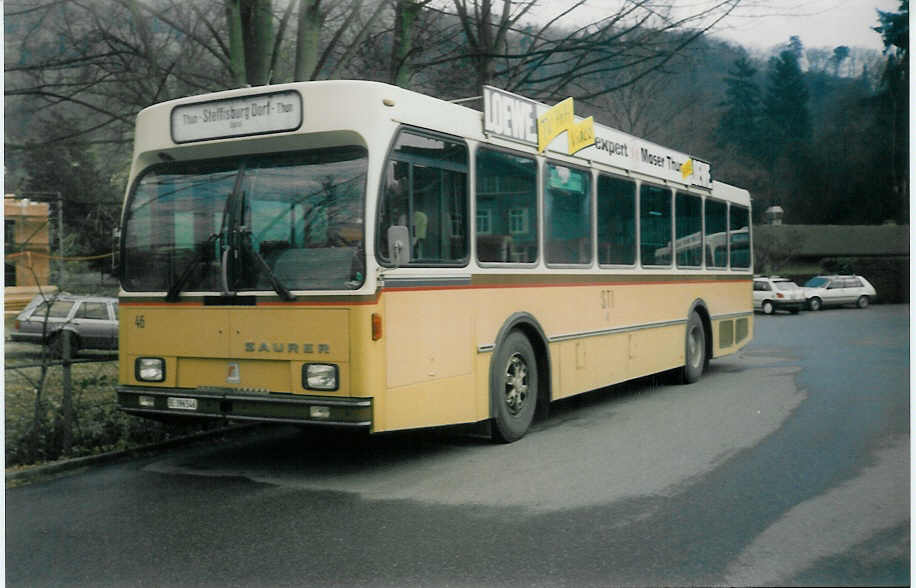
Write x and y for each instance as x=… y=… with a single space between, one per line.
x=363 y=107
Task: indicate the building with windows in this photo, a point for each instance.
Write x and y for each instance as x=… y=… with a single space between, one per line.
x=26 y=250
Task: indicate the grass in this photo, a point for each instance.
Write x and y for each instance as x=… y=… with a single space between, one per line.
x=97 y=427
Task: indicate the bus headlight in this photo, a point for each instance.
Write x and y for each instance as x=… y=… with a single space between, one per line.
x=319 y=376
x=149 y=369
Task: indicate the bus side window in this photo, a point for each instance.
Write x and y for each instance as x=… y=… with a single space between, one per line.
x=425 y=190
x=507 y=221
x=567 y=215
x=739 y=237
x=655 y=225
x=688 y=242
x=716 y=234
x=616 y=221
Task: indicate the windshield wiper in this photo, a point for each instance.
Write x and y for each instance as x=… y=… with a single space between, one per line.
x=201 y=257
x=275 y=282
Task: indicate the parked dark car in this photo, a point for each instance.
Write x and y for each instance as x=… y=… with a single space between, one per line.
x=91 y=320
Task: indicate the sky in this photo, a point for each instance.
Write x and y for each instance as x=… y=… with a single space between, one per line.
x=818 y=23
x=762 y=24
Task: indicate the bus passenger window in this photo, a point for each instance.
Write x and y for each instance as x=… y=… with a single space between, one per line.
x=739 y=236
x=655 y=225
x=688 y=238
x=616 y=221
x=716 y=234
x=567 y=215
x=426 y=190
x=506 y=208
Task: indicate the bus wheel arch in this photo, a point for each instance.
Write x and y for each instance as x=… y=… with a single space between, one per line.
x=523 y=325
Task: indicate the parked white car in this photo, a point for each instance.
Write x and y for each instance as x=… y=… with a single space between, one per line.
x=775 y=293
x=821 y=291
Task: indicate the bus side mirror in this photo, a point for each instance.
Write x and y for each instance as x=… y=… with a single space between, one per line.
x=399 y=245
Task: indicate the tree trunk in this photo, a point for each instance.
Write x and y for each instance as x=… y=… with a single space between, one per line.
x=310 y=20
x=236 y=43
x=259 y=39
x=405 y=18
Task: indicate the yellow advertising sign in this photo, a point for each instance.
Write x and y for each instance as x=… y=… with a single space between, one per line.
x=553 y=122
x=560 y=118
x=687 y=168
x=581 y=135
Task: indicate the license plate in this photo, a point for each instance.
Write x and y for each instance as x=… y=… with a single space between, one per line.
x=182 y=403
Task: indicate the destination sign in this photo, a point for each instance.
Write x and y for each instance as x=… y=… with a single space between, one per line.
x=260 y=114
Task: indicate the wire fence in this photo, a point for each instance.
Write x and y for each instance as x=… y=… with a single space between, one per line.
x=61 y=407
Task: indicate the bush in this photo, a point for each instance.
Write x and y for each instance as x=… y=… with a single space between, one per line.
x=98 y=426
x=890 y=277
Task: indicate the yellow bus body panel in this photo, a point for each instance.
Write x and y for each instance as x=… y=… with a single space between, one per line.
x=432 y=364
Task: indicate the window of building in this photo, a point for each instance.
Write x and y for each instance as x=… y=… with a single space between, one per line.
x=507 y=197
x=567 y=215
x=616 y=221
x=426 y=190
x=483 y=221
x=518 y=221
x=654 y=225
x=688 y=241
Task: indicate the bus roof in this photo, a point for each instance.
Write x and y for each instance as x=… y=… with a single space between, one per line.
x=338 y=111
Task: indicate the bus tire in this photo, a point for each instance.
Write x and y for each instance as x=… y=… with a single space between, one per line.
x=694 y=350
x=513 y=388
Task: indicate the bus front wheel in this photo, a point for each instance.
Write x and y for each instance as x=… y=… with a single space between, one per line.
x=694 y=349
x=514 y=388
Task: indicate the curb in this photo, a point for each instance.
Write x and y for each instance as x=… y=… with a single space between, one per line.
x=31 y=474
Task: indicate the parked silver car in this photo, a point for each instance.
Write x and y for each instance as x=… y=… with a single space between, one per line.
x=821 y=291
x=774 y=293
x=92 y=320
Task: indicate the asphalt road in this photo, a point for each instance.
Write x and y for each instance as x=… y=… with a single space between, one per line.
x=787 y=464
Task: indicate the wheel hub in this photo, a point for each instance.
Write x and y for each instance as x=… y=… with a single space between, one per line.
x=516 y=387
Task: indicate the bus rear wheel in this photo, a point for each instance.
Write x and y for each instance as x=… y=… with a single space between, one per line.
x=694 y=350
x=514 y=388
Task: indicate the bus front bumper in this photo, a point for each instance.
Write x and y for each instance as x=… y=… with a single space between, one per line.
x=233 y=404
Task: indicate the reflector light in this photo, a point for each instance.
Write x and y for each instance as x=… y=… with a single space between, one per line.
x=376 y=326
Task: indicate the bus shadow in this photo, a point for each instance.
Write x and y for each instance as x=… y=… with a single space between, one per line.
x=325 y=453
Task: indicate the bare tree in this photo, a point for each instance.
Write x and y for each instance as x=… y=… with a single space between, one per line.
x=551 y=58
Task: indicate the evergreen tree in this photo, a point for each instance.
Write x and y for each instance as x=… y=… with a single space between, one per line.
x=894 y=99
x=91 y=203
x=740 y=124
x=787 y=120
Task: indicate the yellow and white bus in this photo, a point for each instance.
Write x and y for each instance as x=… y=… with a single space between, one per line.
x=355 y=254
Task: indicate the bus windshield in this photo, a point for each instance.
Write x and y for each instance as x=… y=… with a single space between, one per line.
x=290 y=221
